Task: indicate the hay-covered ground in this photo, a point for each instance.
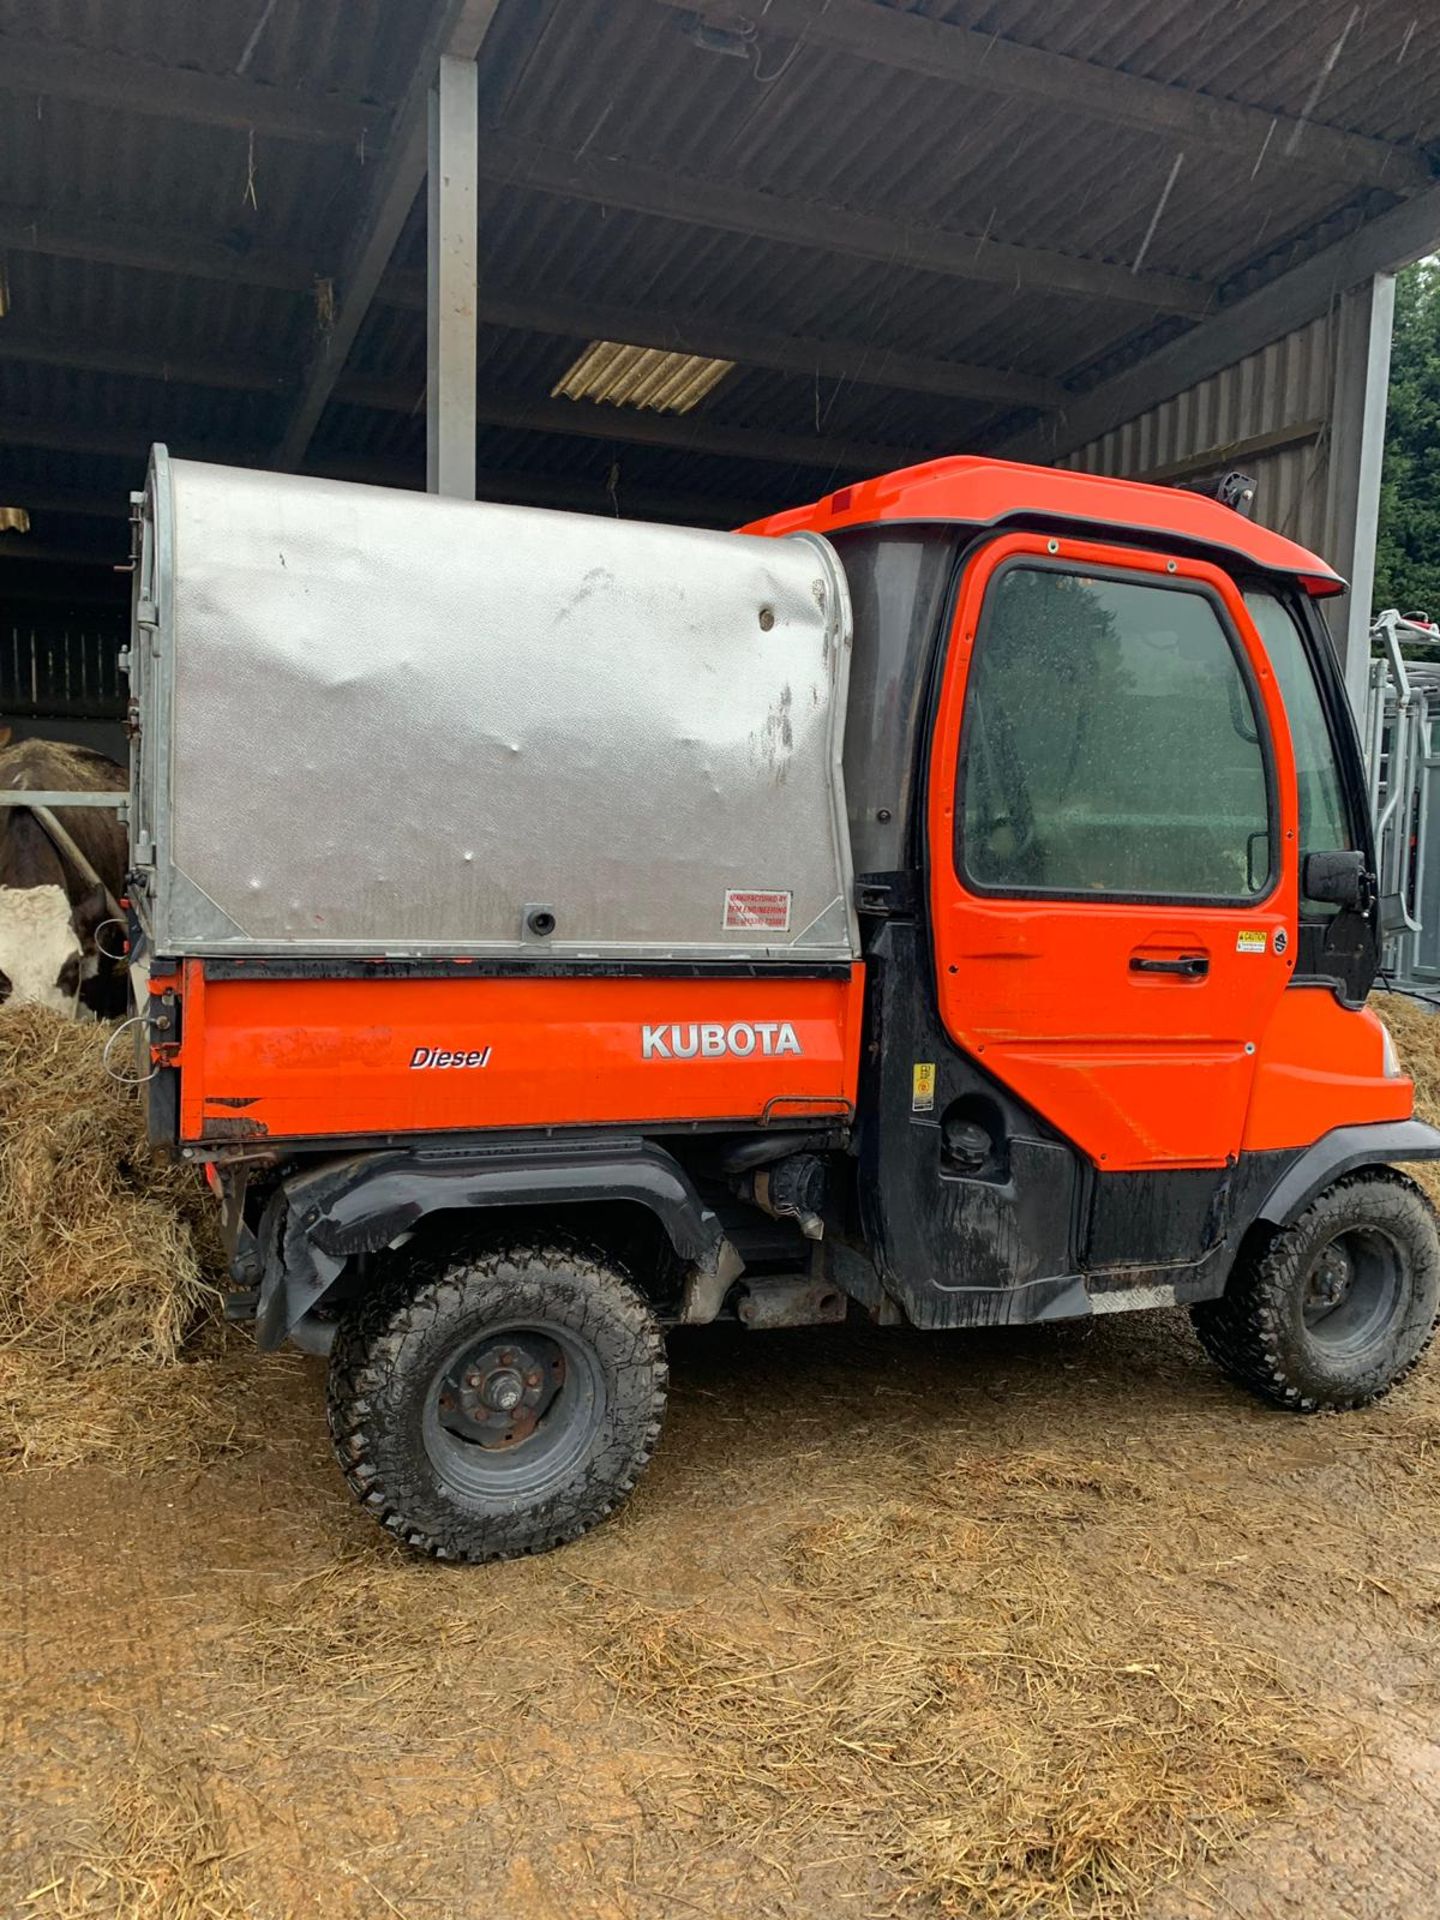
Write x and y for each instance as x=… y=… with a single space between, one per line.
x=1045 y=1623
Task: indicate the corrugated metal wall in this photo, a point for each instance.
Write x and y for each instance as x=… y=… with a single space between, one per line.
x=1268 y=414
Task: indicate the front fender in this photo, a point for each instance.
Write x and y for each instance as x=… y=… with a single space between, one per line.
x=1341 y=1151
x=326 y=1215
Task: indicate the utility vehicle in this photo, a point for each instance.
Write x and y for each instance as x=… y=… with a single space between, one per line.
x=950 y=903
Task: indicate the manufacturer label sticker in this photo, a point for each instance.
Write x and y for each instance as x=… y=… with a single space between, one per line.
x=1251 y=940
x=922 y=1097
x=1282 y=940
x=744 y=909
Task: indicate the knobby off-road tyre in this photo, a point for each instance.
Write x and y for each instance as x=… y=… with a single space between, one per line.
x=1335 y=1309
x=497 y=1403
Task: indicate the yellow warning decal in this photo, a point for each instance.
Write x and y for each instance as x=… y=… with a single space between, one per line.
x=1251 y=940
x=922 y=1098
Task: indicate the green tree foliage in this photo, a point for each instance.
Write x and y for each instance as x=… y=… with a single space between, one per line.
x=1407 y=561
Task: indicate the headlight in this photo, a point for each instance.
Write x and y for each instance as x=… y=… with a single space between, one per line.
x=1393 y=1068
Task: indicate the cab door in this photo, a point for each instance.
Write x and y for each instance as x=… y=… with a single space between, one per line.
x=1113 y=866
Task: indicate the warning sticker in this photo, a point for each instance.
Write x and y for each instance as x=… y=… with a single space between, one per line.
x=771 y=911
x=922 y=1096
x=1251 y=940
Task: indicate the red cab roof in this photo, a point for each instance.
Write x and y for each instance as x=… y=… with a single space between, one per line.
x=986 y=492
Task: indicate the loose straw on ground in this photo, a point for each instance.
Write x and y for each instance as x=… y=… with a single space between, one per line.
x=104 y=1256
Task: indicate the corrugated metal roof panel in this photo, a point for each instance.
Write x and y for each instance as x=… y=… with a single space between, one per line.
x=103 y=405
x=84 y=301
x=74 y=161
x=565 y=250
x=632 y=84
x=1381 y=82
x=355 y=49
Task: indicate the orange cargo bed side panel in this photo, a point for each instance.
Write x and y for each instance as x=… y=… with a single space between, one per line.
x=297 y=1059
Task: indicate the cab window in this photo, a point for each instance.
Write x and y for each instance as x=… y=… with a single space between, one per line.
x=1325 y=825
x=1110 y=745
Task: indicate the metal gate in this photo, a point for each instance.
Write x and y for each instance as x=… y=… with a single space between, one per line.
x=66 y=670
x=1402 y=713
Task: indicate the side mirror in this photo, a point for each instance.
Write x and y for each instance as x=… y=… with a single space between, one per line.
x=1339 y=879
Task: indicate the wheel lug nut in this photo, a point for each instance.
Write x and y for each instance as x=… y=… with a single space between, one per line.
x=532 y=1379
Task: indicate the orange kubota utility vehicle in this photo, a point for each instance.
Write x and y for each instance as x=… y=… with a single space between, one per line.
x=950 y=903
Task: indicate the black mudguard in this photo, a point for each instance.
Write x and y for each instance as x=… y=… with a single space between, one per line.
x=1341 y=1151
x=324 y=1216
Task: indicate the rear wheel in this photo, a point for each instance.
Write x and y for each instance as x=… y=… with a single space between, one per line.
x=497 y=1404
x=1335 y=1309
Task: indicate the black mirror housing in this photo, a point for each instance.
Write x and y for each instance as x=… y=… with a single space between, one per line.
x=1339 y=879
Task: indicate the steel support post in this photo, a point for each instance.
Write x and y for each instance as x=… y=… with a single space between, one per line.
x=453 y=263
x=1356 y=454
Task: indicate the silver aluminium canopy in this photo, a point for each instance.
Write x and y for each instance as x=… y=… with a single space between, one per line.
x=378 y=722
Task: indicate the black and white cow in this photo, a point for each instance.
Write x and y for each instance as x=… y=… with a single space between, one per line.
x=51 y=911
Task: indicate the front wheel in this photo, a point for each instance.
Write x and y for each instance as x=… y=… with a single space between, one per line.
x=497 y=1404
x=1335 y=1309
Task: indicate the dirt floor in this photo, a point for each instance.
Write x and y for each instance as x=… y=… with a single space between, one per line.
x=221 y=1687
x=1043 y=1623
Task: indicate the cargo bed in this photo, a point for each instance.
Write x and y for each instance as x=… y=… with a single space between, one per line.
x=376 y=724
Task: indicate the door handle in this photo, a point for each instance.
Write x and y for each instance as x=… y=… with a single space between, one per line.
x=1192 y=966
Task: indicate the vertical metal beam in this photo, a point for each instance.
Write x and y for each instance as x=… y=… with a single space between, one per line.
x=452 y=245
x=456 y=27
x=1356 y=454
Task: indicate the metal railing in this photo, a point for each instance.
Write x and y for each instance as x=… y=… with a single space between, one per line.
x=51 y=672
x=1402 y=710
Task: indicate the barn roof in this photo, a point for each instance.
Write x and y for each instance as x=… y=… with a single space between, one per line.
x=954 y=225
